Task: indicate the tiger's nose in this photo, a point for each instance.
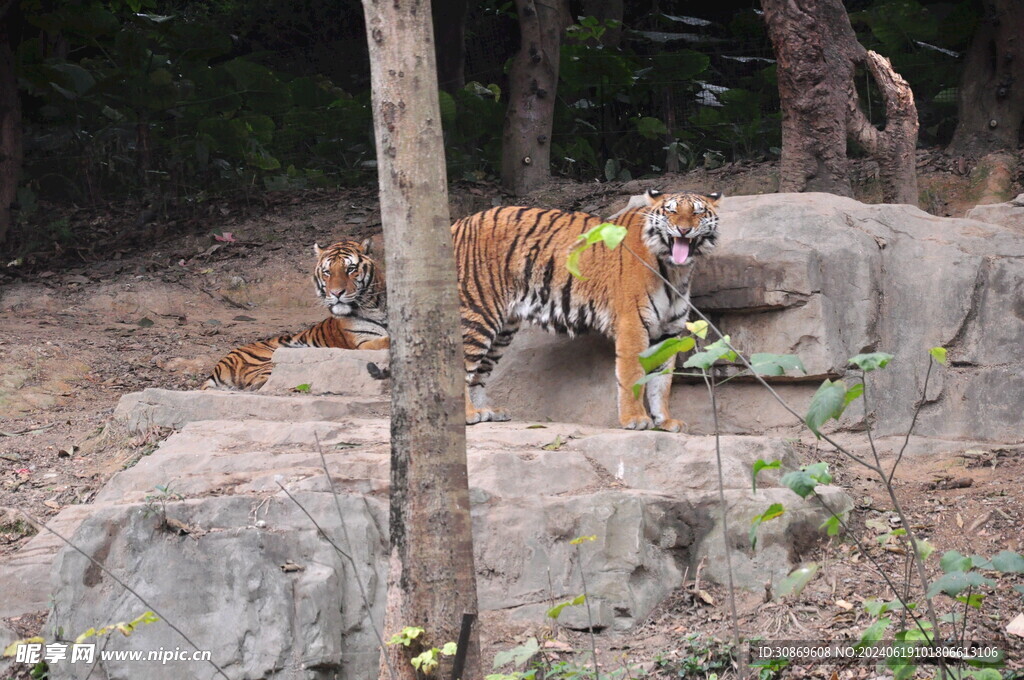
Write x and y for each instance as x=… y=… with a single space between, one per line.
x=336 y=292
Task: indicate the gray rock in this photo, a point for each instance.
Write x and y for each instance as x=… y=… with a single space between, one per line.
x=326 y=371
x=647 y=498
x=1009 y=214
x=155 y=407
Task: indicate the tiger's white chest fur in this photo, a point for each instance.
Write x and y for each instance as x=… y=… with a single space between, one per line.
x=667 y=312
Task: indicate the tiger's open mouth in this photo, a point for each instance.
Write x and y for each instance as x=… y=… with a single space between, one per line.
x=680 y=249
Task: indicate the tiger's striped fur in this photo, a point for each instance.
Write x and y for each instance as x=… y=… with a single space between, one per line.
x=511 y=263
x=348 y=282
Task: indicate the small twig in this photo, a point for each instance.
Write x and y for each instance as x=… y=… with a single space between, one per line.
x=125 y=586
x=913 y=420
x=590 y=621
x=710 y=383
x=348 y=541
x=344 y=554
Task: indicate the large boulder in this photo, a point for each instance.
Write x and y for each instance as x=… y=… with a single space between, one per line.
x=227 y=557
x=827 y=277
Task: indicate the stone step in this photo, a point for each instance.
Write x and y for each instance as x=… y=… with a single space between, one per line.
x=327 y=371
x=154 y=407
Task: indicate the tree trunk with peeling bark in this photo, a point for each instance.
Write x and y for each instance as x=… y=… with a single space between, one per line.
x=533 y=80
x=10 y=124
x=431 y=577
x=817 y=53
x=991 y=96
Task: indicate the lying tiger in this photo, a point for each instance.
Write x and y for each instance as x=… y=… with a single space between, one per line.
x=348 y=283
x=511 y=264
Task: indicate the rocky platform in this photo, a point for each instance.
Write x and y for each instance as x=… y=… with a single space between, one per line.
x=229 y=558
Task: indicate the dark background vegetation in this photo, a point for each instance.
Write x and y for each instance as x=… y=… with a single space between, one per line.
x=168 y=104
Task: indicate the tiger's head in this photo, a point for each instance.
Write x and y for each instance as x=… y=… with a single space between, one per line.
x=346 y=279
x=679 y=226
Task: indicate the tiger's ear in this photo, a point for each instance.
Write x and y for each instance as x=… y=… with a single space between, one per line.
x=367 y=245
x=716 y=197
x=652 y=194
x=317 y=249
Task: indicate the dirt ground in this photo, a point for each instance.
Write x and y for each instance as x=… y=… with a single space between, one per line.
x=154 y=303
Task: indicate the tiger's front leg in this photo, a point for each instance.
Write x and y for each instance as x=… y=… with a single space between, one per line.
x=658 y=390
x=629 y=342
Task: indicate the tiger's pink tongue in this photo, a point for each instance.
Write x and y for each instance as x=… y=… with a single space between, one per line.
x=680 y=250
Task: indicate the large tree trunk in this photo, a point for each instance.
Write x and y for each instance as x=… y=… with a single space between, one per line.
x=431 y=578
x=817 y=53
x=991 y=97
x=450 y=35
x=533 y=80
x=10 y=125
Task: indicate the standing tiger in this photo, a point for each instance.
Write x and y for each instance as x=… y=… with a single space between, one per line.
x=511 y=264
x=348 y=283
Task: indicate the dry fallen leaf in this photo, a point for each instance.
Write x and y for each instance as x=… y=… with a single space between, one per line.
x=1016 y=627
x=843 y=604
x=53 y=505
x=290 y=566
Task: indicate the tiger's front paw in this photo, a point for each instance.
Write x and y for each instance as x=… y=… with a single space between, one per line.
x=637 y=423
x=485 y=415
x=670 y=425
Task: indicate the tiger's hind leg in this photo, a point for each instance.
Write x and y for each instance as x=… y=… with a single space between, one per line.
x=477 y=408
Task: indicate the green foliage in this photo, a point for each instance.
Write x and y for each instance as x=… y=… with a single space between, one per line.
x=802 y=481
x=406 y=636
x=655 y=356
x=609 y=234
x=556 y=611
x=759 y=465
x=827 y=403
x=774 y=510
x=870 y=362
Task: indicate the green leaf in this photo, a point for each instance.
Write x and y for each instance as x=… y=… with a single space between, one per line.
x=776 y=364
x=639 y=384
x=924 y=548
x=517 y=656
x=582 y=539
x=717 y=350
x=869 y=362
x=774 y=510
x=853 y=393
x=802 y=481
x=698 y=328
x=555 y=445
x=1008 y=562
x=874 y=632
x=449 y=649
x=831 y=525
x=656 y=355
x=952 y=560
x=955 y=582
x=827 y=403
x=797 y=579
x=304 y=388
x=939 y=354
x=610 y=234
x=972 y=600
x=556 y=611
x=759 y=465
x=799 y=482
x=878 y=607
x=650 y=128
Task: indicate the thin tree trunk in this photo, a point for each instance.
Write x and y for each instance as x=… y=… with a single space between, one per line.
x=431 y=577
x=533 y=79
x=10 y=126
x=450 y=34
x=991 y=96
x=817 y=53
